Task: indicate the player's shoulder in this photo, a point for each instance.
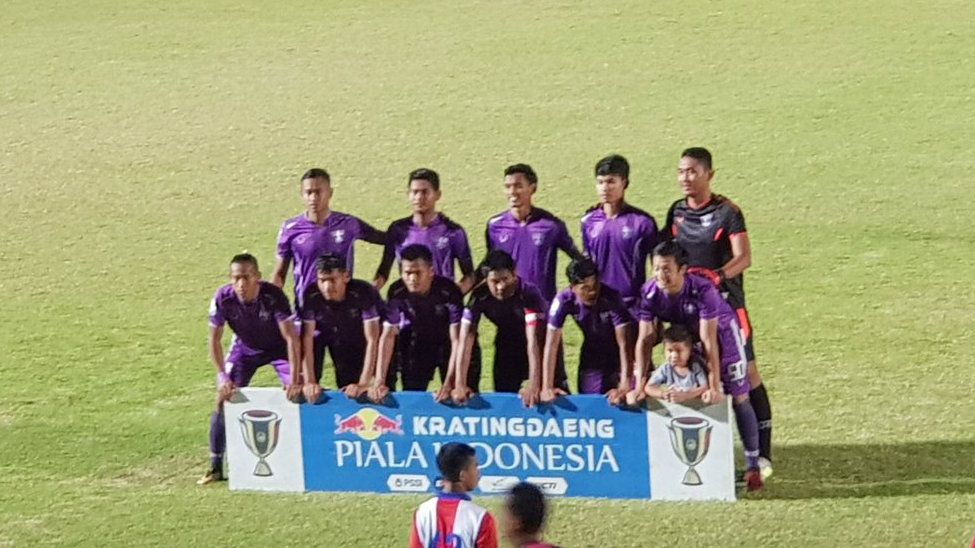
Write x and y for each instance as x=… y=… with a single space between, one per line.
x=397 y=290
x=312 y=297
x=649 y=289
x=593 y=212
x=699 y=285
x=445 y=287
x=607 y=293
x=291 y=224
x=637 y=212
x=450 y=224
x=361 y=289
x=723 y=202
x=499 y=218
x=529 y=290
x=478 y=295
x=400 y=225
x=272 y=291
x=223 y=293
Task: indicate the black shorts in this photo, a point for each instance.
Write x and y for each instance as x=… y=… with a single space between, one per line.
x=347 y=359
x=415 y=362
x=510 y=369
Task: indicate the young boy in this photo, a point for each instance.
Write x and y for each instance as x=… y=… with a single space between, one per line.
x=450 y=518
x=525 y=517
x=682 y=377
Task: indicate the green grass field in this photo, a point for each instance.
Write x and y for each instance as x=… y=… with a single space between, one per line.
x=144 y=143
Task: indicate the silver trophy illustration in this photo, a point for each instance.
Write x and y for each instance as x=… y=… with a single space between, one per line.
x=690 y=437
x=260 y=429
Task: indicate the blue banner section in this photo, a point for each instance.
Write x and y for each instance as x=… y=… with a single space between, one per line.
x=579 y=446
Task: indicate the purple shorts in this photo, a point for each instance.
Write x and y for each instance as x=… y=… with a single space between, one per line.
x=598 y=381
x=242 y=362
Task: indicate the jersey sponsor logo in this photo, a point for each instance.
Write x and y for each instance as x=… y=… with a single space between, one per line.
x=443 y=242
x=504 y=236
x=690 y=308
x=679 y=219
x=338 y=236
x=538 y=238
x=301 y=239
x=264 y=314
x=627 y=232
x=706 y=220
x=368 y=424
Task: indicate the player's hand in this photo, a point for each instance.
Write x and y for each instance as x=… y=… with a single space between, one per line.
x=312 y=391
x=711 y=275
x=676 y=396
x=712 y=396
x=353 y=391
x=293 y=392
x=635 y=397
x=461 y=394
x=378 y=392
x=227 y=390
x=443 y=394
x=529 y=396
x=379 y=282
x=550 y=394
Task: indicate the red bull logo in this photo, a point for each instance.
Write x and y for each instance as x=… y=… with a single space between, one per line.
x=368 y=424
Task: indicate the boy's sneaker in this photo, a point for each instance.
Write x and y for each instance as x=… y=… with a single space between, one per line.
x=212 y=476
x=765 y=466
x=753 y=480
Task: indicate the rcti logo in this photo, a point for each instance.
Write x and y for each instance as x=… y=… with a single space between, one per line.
x=368 y=424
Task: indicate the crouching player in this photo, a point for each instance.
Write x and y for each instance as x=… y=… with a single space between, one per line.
x=260 y=317
x=450 y=518
x=517 y=308
x=605 y=363
x=682 y=377
x=692 y=301
x=340 y=314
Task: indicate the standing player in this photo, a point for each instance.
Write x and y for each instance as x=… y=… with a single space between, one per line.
x=692 y=301
x=446 y=239
x=517 y=308
x=605 y=362
x=532 y=236
x=316 y=231
x=618 y=236
x=260 y=316
x=345 y=312
x=712 y=230
x=421 y=332
x=450 y=519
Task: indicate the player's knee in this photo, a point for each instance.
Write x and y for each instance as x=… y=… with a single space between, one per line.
x=740 y=399
x=754 y=377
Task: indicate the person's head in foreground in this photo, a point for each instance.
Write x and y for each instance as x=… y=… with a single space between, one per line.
x=524 y=512
x=678 y=344
x=584 y=280
x=457 y=463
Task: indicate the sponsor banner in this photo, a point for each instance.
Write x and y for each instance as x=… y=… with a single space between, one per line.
x=580 y=446
x=264 y=441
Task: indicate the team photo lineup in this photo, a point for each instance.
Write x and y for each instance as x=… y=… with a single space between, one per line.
x=631 y=285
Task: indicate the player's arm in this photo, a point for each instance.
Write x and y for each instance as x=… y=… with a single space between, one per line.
x=643 y=350
x=287 y=328
x=226 y=388
x=371 y=234
x=741 y=256
x=487 y=535
x=457 y=373
x=310 y=388
x=530 y=394
x=680 y=396
x=280 y=272
x=462 y=252
x=448 y=382
x=387 y=343
x=549 y=392
x=622 y=333
x=709 y=339
x=386 y=263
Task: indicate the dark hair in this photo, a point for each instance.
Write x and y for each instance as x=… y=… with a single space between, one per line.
x=527 y=503
x=495 y=260
x=317 y=173
x=677 y=333
x=525 y=170
x=416 y=252
x=453 y=458
x=614 y=164
x=331 y=261
x=580 y=269
x=671 y=248
x=700 y=154
x=424 y=174
x=245 y=258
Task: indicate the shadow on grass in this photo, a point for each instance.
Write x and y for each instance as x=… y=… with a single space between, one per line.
x=844 y=471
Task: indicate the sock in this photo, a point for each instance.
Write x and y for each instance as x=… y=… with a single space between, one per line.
x=748 y=430
x=218 y=440
x=763 y=412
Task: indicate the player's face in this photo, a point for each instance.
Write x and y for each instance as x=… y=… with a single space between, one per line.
x=693 y=177
x=317 y=193
x=471 y=475
x=417 y=276
x=587 y=291
x=246 y=281
x=518 y=190
x=610 y=188
x=332 y=284
x=423 y=197
x=502 y=283
x=677 y=353
x=669 y=276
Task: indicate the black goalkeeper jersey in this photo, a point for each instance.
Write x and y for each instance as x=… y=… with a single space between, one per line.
x=706 y=234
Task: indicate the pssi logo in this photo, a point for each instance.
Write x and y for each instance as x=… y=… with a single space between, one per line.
x=368 y=424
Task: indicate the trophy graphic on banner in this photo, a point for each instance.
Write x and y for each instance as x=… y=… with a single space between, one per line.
x=690 y=437
x=260 y=429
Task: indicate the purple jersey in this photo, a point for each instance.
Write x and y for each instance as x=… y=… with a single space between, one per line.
x=526 y=305
x=426 y=318
x=598 y=322
x=534 y=245
x=620 y=247
x=341 y=322
x=255 y=324
x=698 y=300
x=303 y=242
x=445 y=239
